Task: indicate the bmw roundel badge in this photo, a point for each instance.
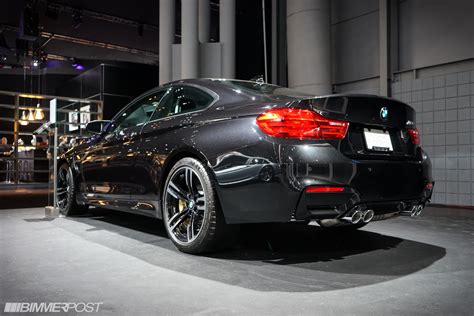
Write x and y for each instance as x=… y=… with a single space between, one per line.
x=384 y=113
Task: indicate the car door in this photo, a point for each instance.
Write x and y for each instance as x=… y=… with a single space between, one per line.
x=109 y=166
x=176 y=112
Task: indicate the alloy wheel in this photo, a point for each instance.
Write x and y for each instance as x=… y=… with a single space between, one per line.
x=64 y=187
x=185 y=205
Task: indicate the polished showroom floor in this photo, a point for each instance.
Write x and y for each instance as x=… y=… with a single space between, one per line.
x=403 y=266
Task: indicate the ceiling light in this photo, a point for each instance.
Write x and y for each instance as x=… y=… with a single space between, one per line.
x=39 y=114
x=77 y=64
x=23 y=120
x=35 y=62
x=31 y=117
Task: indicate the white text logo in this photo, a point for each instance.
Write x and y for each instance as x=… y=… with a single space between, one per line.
x=26 y=307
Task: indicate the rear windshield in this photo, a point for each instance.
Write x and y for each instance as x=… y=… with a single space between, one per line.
x=263 y=88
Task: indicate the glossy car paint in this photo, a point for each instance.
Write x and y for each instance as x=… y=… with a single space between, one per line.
x=258 y=178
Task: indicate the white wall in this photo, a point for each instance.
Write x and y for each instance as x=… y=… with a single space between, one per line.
x=443 y=97
x=435 y=75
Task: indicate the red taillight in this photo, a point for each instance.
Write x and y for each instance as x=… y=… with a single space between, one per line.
x=324 y=189
x=414 y=135
x=299 y=123
x=429 y=186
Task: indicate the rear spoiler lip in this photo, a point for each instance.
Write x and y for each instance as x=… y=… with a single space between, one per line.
x=350 y=95
x=355 y=95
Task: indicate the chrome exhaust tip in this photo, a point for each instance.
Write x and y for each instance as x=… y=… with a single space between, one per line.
x=354 y=218
x=419 y=210
x=368 y=216
x=411 y=211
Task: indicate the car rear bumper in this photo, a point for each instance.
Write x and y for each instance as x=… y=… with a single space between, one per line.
x=385 y=186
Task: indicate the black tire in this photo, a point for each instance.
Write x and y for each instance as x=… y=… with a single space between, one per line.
x=191 y=212
x=66 y=190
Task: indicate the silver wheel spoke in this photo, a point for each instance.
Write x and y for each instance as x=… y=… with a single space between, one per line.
x=178 y=218
x=188 y=178
x=176 y=192
x=191 y=227
x=201 y=204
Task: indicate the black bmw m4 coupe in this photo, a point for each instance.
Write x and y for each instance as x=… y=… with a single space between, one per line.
x=206 y=154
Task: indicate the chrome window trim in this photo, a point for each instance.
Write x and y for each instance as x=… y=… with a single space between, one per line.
x=138 y=99
x=214 y=95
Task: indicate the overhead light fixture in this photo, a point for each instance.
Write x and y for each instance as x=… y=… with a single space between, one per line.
x=23 y=119
x=35 y=62
x=39 y=114
x=31 y=116
x=77 y=64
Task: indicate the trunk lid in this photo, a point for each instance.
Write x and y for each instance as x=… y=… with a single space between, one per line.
x=378 y=126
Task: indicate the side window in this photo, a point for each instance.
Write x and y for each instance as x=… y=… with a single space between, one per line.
x=140 y=112
x=183 y=99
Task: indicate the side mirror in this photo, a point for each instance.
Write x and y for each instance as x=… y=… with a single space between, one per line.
x=97 y=127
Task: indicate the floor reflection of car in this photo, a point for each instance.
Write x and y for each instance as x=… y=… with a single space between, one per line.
x=206 y=155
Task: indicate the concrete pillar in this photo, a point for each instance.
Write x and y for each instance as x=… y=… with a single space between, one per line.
x=309 y=45
x=189 y=39
x=167 y=29
x=383 y=47
x=274 y=43
x=227 y=37
x=204 y=20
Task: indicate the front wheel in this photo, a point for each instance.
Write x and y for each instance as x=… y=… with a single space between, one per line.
x=66 y=192
x=191 y=215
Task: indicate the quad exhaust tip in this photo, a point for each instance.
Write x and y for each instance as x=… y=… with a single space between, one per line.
x=415 y=210
x=419 y=210
x=354 y=218
x=368 y=216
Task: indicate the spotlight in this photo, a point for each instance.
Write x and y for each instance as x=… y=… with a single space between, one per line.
x=35 y=61
x=76 y=19
x=76 y=64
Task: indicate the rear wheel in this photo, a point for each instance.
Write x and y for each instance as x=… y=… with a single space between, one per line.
x=190 y=209
x=66 y=192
